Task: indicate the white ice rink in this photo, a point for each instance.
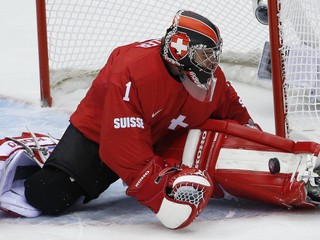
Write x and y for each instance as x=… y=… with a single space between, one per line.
x=113 y=215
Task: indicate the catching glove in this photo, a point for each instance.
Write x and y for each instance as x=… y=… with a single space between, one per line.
x=177 y=195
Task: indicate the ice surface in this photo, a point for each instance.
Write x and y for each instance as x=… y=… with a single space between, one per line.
x=114 y=215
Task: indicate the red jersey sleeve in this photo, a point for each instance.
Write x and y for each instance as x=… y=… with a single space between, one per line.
x=125 y=140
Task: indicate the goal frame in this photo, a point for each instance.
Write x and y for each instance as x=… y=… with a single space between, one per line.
x=276 y=65
x=45 y=95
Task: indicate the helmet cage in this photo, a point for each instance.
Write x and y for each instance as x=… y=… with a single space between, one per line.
x=205 y=59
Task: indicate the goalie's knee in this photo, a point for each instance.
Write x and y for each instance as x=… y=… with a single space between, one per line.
x=51 y=191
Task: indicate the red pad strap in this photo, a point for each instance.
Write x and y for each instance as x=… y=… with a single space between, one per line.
x=237 y=130
x=307 y=147
x=241 y=131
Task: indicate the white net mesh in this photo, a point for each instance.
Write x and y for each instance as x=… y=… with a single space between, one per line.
x=190 y=194
x=191 y=190
x=299 y=24
x=82 y=33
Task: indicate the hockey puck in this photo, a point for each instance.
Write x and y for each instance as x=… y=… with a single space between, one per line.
x=274 y=165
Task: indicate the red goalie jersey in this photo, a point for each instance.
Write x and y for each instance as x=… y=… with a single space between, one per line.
x=134 y=102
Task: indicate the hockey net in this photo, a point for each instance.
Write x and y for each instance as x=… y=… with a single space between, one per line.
x=299 y=34
x=82 y=33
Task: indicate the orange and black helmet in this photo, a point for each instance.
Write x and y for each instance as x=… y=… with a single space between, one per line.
x=194 y=43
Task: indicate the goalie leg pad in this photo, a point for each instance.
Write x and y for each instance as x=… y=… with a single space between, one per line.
x=14 y=201
x=12 y=177
x=236 y=157
x=264 y=187
x=52 y=191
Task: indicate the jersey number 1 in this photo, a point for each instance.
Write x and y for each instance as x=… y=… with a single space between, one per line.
x=126 y=95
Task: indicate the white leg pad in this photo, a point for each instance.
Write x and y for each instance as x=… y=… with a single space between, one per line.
x=14 y=201
x=12 y=197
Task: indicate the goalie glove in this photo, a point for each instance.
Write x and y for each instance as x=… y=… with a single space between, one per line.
x=177 y=195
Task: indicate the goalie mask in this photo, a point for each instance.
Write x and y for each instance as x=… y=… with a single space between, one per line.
x=193 y=44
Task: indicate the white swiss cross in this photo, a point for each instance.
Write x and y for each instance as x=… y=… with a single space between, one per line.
x=179 y=46
x=178 y=122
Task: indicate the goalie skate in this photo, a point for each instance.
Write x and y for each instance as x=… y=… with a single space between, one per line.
x=309 y=173
x=313 y=188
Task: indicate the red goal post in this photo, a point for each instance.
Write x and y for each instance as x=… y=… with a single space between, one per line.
x=45 y=93
x=295 y=56
x=275 y=57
